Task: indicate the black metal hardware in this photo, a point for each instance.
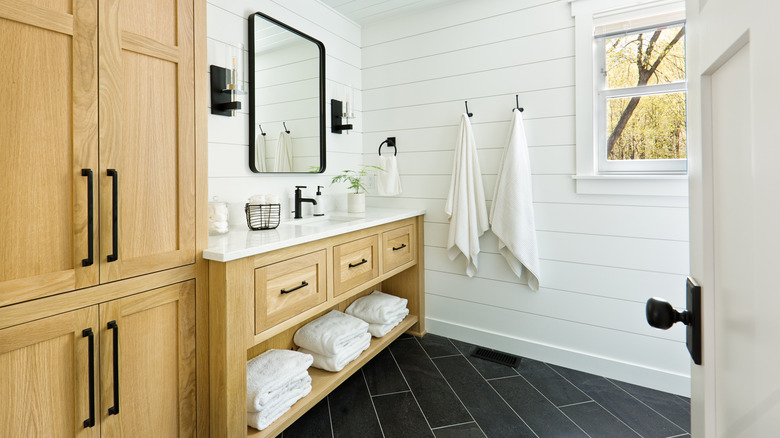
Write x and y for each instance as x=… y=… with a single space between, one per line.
x=303 y=284
x=517 y=104
x=114 y=256
x=390 y=143
x=403 y=245
x=90 y=218
x=497 y=357
x=262 y=216
x=299 y=199
x=335 y=118
x=285 y=127
x=660 y=314
x=222 y=103
x=87 y=333
x=352 y=265
x=261 y=130
x=467 y=110
x=112 y=325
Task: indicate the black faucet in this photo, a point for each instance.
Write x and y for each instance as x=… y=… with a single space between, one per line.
x=299 y=199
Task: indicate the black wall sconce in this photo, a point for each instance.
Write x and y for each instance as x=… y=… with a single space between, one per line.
x=223 y=92
x=336 y=115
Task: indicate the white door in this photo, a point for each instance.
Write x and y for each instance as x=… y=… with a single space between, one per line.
x=734 y=163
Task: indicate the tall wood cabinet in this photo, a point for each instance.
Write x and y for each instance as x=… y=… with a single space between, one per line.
x=102 y=178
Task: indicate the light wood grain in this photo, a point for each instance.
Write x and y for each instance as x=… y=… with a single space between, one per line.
x=154 y=19
x=42 y=16
x=398 y=247
x=364 y=253
x=145 y=45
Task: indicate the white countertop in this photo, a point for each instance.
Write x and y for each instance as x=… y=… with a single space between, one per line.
x=242 y=243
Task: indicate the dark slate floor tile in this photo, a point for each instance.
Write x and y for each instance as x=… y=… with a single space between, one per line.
x=352 y=412
x=636 y=415
x=439 y=404
x=489 y=370
x=492 y=414
x=468 y=430
x=597 y=422
x=671 y=406
x=437 y=346
x=383 y=375
x=551 y=384
x=401 y=417
x=537 y=412
x=315 y=422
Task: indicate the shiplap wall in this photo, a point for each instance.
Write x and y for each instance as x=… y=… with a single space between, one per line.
x=602 y=257
x=229 y=176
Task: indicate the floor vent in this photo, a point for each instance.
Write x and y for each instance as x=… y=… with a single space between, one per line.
x=497 y=357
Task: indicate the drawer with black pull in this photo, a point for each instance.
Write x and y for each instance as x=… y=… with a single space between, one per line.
x=355 y=263
x=397 y=247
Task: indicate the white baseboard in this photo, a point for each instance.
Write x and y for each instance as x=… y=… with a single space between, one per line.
x=627 y=372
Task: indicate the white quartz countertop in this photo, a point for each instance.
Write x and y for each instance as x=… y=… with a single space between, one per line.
x=242 y=243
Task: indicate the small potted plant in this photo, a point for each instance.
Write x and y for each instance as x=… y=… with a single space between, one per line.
x=356 y=201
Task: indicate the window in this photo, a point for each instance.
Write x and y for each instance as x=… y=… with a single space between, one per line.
x=640 y=99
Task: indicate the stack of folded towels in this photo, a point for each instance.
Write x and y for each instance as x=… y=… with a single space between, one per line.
x=263 y=199
x=381 y=311
x=334 y=340
x=275 y=380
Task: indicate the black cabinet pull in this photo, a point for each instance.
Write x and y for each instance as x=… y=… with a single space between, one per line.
x=303 y=284
x=403 y=245
x=112 y=325
x=114 y=215
x=90 y=218
x=352 y=265
x=87 y=333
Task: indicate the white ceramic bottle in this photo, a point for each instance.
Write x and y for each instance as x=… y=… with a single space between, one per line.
x=319 y=207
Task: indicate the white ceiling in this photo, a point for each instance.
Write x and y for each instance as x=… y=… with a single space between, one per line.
x=367 y=11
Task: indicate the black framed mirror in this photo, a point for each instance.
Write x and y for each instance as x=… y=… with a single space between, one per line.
x=286 y=98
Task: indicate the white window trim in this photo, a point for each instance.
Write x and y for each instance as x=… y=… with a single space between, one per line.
x=588 y=179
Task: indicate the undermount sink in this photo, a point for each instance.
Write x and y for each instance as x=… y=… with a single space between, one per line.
x=322 y=221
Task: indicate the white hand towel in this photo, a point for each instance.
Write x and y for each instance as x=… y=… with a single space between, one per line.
x=272 y=370
x=261 y=420
x=260 y=153
x=337 y=362
x=512 y=212
x=377 y=307
x=284 y=156
x=328 y=334
x=263 y=401
x=466 y=200
x=379 y=330
x=389 y=181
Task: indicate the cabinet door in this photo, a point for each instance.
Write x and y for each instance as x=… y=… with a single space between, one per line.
x=147 y=138
x=48 y=134
x=154 y=364
x=45 y=377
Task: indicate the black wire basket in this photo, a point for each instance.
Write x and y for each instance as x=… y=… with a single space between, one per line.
x=262 y=216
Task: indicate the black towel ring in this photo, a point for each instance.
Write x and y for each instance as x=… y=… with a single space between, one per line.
x=390 y=143
x=261 y=130
x=285 y=127
x=467 y=109
x=517 y=104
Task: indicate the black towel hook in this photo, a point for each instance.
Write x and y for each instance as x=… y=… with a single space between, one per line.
x=261 y=129
x=390 y=143
x=517 y=104
x=285 y=127
x=467 y=109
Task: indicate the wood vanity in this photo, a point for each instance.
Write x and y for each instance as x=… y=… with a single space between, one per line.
x=264 y=285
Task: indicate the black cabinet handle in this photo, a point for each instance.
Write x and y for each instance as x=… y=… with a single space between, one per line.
x=303 y=284
x=90 y=218
x=87 y=333
x=352 y=265
x=112 y=325
x=403 y=245
x=114 y=215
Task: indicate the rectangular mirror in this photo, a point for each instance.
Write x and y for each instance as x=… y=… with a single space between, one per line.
x=286 y=98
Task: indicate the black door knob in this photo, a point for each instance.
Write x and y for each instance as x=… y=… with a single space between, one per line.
x=661 y=314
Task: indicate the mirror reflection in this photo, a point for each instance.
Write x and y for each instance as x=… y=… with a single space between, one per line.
x=286 y=98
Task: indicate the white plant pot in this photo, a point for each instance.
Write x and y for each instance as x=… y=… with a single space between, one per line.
x=356 y=202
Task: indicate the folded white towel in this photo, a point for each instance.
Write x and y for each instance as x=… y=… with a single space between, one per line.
x=328 y=334
x=379 y=330
x=268 y=400
x=261 y=420
x=260 y=153
x=258 y=199
x=377 y=307
x=271 y=371
x=512 y=212
x=337 y=362
x=284 y=156
x=388 y=183
x=466 y=200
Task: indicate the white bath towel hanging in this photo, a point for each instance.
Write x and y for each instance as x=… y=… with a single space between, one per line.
x=466 y=200
x=512 y=212
x=284 y=156
x=260 y=153
x=389 y=181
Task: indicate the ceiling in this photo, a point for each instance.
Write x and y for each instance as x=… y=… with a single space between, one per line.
x=368 y=11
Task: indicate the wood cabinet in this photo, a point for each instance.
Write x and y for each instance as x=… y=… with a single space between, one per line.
x=355 y=263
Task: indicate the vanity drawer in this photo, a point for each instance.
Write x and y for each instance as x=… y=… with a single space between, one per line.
x=398 y=247
x=355 y=263
x=287 y=288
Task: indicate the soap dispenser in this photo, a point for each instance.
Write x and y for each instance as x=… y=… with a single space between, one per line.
x=319 y=207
